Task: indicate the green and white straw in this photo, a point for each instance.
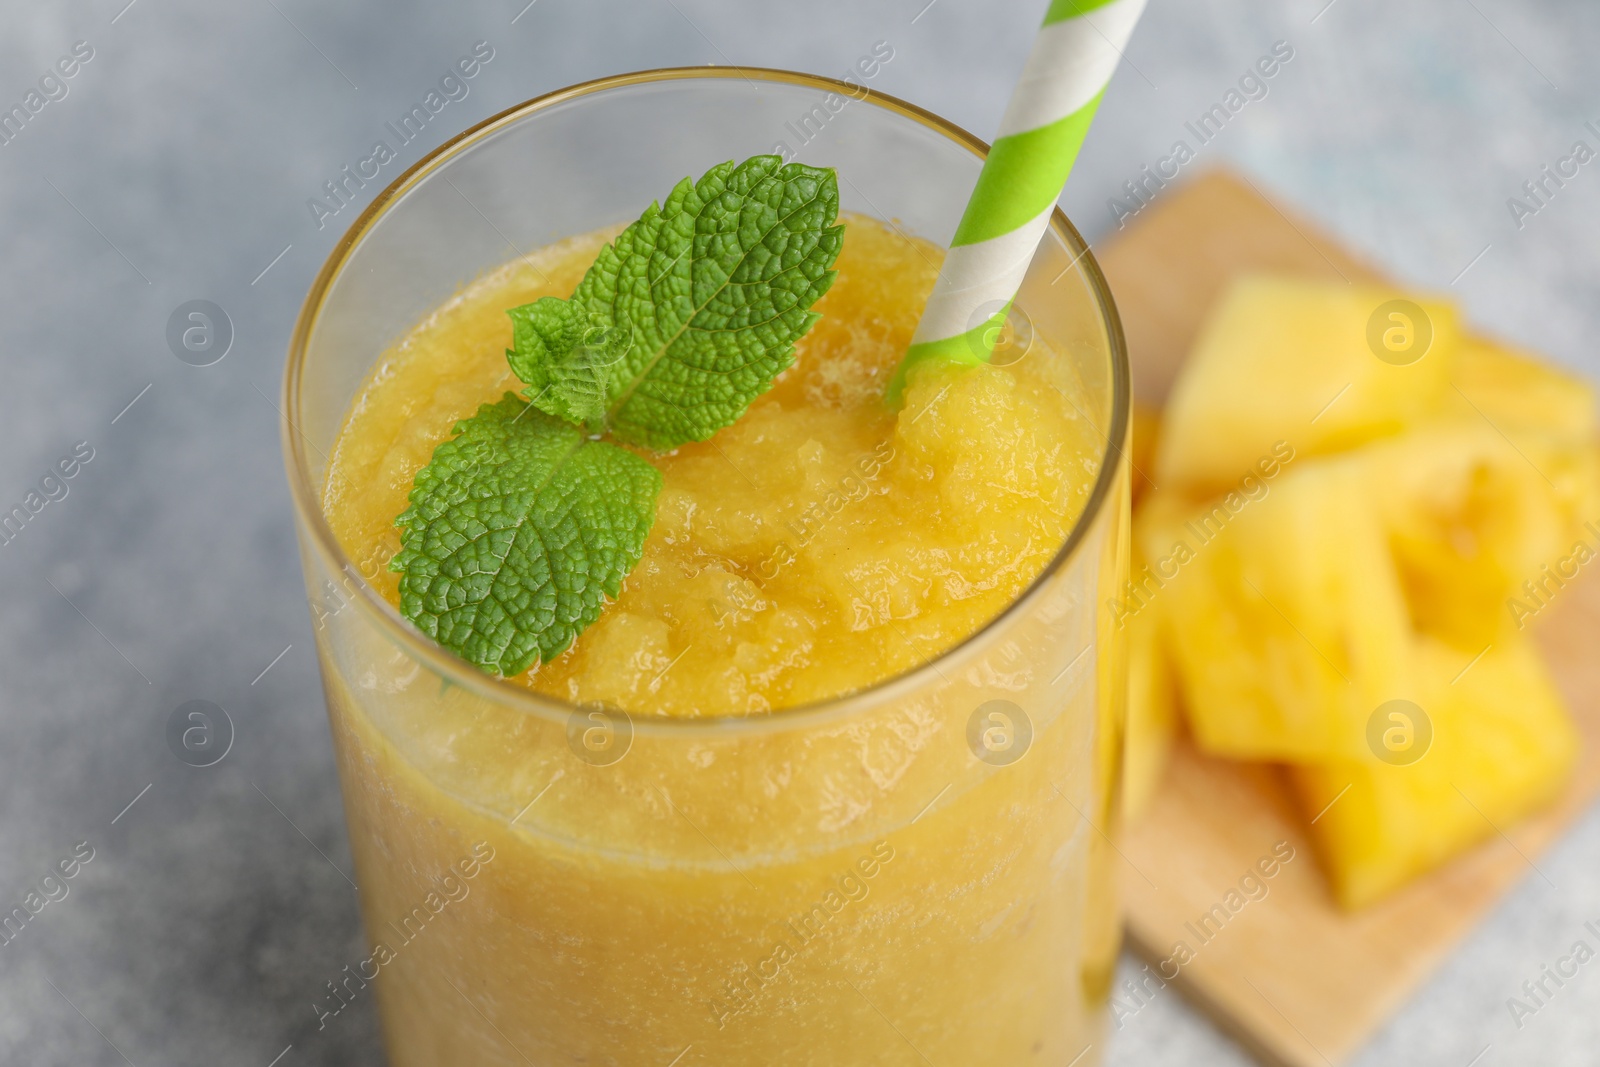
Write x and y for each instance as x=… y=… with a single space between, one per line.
x=1044 y=125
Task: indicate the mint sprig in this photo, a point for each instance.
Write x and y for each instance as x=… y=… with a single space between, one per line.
x=522 y=524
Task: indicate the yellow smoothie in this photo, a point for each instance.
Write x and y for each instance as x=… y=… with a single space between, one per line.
x=857 y=889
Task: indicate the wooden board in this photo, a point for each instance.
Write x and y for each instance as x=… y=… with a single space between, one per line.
x=1296 y=980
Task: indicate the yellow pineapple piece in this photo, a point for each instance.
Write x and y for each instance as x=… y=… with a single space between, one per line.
x=1574 y=473
x=1519 y=392
x=1284 y=359
x=1573 y=470
x=1152 y=697
x=1152 y=705
x=1502 y=746
x=1548 y=414
x=1283 y=611
x=1470 y=519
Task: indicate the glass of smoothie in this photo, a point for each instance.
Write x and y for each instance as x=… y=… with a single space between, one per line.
x=832 y=781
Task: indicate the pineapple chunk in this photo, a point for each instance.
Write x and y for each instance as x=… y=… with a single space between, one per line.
x=1469 y=520
x=1284 y=613
x=1152 y=700
x=1152 y=706
x=1502 y=746
x=1284 y=359
x=1574 y=472
x=1546 y=413
x=1517 y=392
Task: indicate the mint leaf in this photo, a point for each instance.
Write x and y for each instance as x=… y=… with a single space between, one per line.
x=692 y=311
x=517 y=529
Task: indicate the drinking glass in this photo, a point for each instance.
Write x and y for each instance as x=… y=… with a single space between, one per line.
x=916 y=872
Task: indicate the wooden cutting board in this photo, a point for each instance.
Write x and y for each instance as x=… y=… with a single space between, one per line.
x=1296 y=980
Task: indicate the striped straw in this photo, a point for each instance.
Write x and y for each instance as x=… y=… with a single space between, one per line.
x=1044 y=125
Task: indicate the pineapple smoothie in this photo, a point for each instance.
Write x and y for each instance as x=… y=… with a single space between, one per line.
x=687 y=869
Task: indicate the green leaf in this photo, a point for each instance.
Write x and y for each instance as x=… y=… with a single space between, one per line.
x=692 y=311
x=517 y=530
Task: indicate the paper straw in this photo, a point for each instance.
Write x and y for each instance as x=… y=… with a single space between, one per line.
x=1073 y=58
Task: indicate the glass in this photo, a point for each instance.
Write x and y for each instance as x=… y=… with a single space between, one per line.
x=918 y=870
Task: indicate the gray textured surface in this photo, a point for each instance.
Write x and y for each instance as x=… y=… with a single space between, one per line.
x=181 y=160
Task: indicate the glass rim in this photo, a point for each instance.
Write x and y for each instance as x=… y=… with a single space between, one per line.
x=313 y=520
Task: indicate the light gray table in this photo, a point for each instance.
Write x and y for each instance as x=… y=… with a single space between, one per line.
x=177 y=167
